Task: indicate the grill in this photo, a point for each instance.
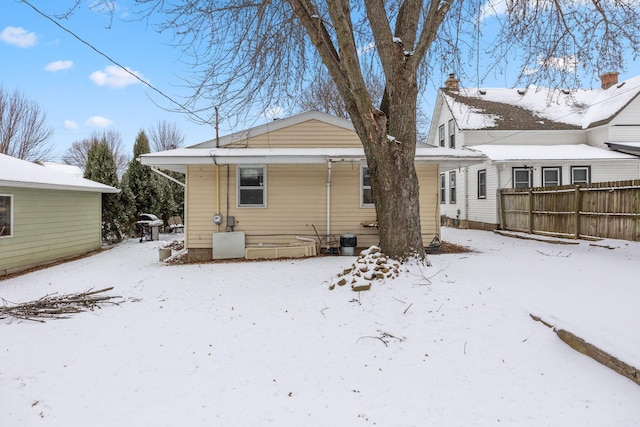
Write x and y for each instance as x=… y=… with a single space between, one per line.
x=148 y=227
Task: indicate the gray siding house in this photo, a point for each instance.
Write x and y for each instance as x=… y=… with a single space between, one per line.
x=46 y=215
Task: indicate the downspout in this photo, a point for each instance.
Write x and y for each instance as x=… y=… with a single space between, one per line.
x=218 y=194
x=499 y=206
x=466 y=195
x=328 y=202
x=217 y=174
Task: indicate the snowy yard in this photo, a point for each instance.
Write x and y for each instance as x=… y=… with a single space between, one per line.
x=267 y=343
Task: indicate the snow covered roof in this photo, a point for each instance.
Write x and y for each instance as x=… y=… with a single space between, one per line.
x=538 y=107
x=513 y=153
x=19 y=173
x=68 y=169
x=178 y=159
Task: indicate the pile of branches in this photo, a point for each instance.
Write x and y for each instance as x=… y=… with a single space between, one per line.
x=54 y=306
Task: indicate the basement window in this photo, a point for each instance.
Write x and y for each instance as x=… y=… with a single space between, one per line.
x=6 y=215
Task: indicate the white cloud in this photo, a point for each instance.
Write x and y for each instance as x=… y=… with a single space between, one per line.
x=70 y=124
x=114 y=76
x=98 y=122
x=529 y=71
x=567 y=64
x=18 y=36
x=493 y=8
x=58 y=66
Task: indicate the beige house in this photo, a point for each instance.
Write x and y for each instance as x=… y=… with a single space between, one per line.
x=296 y=182
x=46 y=215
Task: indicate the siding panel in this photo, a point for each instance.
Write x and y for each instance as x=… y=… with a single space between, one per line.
x=50 y=225
x=296 y=203
x=312 y=133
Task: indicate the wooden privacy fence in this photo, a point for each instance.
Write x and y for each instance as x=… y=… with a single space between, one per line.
x=598 y=210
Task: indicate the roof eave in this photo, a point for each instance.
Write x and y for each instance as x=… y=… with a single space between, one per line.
x=46 y=186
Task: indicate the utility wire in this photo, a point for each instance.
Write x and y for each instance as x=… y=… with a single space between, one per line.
x=116 y=63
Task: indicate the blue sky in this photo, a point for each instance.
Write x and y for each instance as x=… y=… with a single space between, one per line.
x=81 y=91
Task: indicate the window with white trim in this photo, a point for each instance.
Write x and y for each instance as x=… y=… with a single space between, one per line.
x=580 y=174
x=521 y=178
x=482 y=184
x=252 y=186
x=6 y=215
x=452 y=134
x=551 y=176
x=441 y=135
x=452 y=187
x=443 y=189
x=366 y=196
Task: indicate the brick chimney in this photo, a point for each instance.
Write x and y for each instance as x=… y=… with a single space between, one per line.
x=608 y=79
x=451 y=82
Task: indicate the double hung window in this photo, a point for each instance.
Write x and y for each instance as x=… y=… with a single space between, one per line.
x=6 y=215
x=580 y=174
x=521 y=178
x=452 y=134
x=452 y=187
x=252 y=185
x=482 y=184
x=366 y=197
x=551 y=176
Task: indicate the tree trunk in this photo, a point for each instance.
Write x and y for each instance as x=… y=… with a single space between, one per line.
x=394 y=182
x=389 y=143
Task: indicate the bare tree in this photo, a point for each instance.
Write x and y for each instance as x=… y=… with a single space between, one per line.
x=165 y=136
x=24 y=132
x=78 y=153
x=258 y=53
x=322 y=94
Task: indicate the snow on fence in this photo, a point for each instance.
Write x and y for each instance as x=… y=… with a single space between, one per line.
x=598 y=210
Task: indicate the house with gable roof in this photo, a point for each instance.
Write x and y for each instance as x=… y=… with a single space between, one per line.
x=533 y=137
x=46 y=215
x=300 y=179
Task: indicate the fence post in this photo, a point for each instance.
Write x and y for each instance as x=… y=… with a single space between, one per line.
x=501 y=210
x=530 y=211
x=577 y=205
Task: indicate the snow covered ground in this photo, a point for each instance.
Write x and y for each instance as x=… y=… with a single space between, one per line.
x=267 y=343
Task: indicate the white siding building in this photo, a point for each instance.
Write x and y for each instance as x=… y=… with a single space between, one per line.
x=533 y=137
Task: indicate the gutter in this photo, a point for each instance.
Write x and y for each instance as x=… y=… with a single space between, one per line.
x=328 y=203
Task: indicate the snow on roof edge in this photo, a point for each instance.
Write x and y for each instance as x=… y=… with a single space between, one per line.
x=19 y=173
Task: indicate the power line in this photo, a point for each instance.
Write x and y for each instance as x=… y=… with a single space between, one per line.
x=116 y=63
